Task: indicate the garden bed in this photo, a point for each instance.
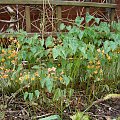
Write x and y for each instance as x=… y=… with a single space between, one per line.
x=62 y=75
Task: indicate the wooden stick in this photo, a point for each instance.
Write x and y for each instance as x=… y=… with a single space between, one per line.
x=54 y=2
x=28 y=22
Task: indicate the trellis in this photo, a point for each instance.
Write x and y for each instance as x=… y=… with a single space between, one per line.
x=56 y=8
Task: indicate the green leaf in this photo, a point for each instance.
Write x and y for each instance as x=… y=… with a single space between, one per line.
x=37 y=93
x=83 y=51
x=64 y=93
x=79 y=116
x=73 y=45
x=40 y=54
x=91 y=47
x=35 y=37
x=42 y=82
x=52 y=117
x=30 y=96
x=36 y=67
x=28 y=41
x=55 y=52
x=49 y=84
x=62 y=26
x=79 y=20
x=107 y=87
x=104 y=26
x=81 y=34
x=68 y=27
x=57 y=94
x=88 y=17
x=25 y=95
x=97 y=20
x=90 y=55
x=113 y=45
x=66 y=80
x=106 y=46
x=24 y=55
x=69 y=65
x=63 y=54
x=70 y=92
x=33 y=49
x=2 y=115
x=49 y=42
x=46 y=52
x=42 y=42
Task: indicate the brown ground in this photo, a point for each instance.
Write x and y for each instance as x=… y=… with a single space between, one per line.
x=99 y=110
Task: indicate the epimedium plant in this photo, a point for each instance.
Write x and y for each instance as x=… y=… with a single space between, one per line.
x=31 y=68
x=87 y=43
x=54 y=67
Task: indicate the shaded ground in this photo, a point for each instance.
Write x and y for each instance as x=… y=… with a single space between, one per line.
x=19 y=110
x=106 y=110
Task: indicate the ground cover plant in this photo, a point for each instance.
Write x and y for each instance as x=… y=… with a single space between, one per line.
x=61 y=75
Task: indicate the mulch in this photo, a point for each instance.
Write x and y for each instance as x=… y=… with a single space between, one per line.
x=106 y=109
x=100 y=110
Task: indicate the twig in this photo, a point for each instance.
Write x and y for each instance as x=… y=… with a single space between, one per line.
x=9 y=21
x=16 y=93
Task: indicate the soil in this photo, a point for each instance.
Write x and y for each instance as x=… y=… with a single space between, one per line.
x=17 y=109
x=106 y=110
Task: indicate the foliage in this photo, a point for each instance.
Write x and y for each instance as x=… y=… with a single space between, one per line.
x=79 y=116
x=53 y=117
x=84 y=57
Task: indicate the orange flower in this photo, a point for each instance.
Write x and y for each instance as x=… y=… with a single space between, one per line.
x=27 y=77
x=21 y=79
x=62 y=73
x=60 y=78
x=108 y=57
x=98 y=79
x=90 y=62
x=9 y=51
x=5 y=76
x=90 y=76
x=97 y=67
x=49 y=75
x=59 y=65
x=3 y=51
x=88 y=66
x=103 y=51
x=33 y=78
x=13 y=61
x=7 y=70
x=49 y=70
x=98 y=63
x=9 y=57
x=92 y=66
x=11 y=38
x=53 y=70
x=99 y=50
x=2 y=68
x=101 y=71
x=13 y=54
x=95 y=72
x=21 y=74
x=16 y=81
x=3 y=60
x=36 y=74
x=18 y=45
